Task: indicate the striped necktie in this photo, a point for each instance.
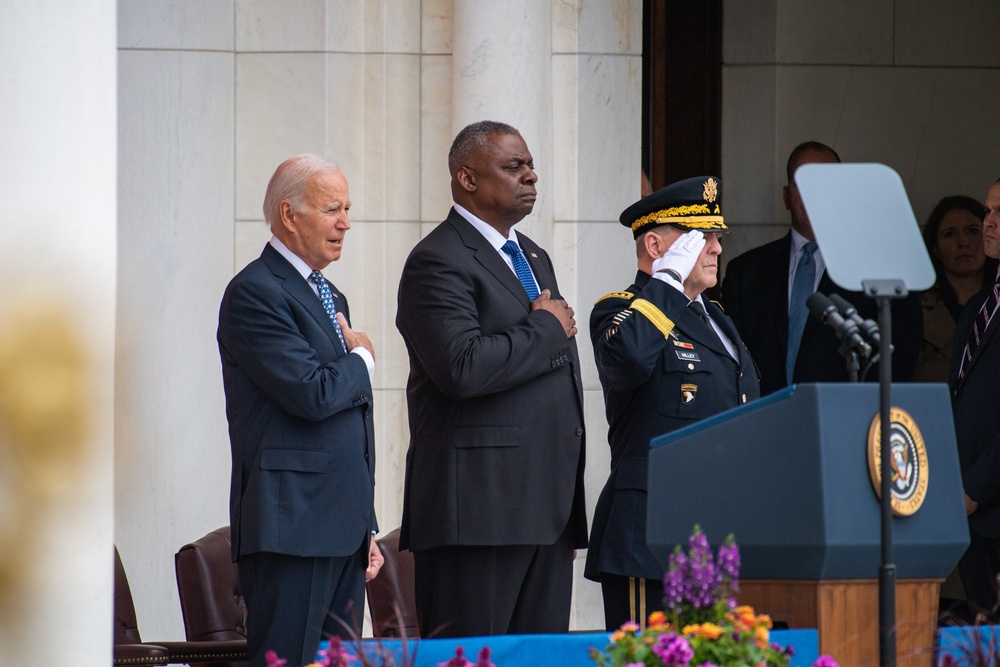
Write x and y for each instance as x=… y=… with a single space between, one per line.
x=326 y=296
x=982 y=321
x=521 y=268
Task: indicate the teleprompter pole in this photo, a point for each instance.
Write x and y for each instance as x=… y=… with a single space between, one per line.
x=884 y=291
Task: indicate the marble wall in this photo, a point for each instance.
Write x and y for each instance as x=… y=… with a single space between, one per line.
x=176 y=246
x=914 y=85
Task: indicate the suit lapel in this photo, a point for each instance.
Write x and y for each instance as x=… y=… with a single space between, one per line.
x=777 y=288
x=489 y=258
x=301 y=291
x=691 y=324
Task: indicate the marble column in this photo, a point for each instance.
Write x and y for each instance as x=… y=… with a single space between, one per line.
x=502 y=70
x=57 y=338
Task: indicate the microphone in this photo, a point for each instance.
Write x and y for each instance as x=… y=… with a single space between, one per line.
x=847 y=331
x=869 y=330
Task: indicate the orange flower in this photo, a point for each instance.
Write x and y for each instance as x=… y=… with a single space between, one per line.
x=617 y=636
x=706 y=630
x=761 y=634
x=766 y=620
x=657 y=618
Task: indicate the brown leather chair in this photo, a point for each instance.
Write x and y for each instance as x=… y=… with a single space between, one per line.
x=390 y=594
x=129 y=649
x=208 y=584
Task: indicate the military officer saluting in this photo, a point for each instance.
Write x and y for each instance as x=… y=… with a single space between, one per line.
x=666 y=358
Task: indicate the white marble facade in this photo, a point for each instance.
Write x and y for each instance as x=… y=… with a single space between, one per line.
x=213 y=94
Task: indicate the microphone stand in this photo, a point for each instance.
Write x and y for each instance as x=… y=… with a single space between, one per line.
x=884 y=291
x=853 y=364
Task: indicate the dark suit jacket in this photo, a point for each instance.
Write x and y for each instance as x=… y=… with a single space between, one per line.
x=494 y=397
x=755 y=295
x=976 y=404
x=300 y=418
x=656 y=379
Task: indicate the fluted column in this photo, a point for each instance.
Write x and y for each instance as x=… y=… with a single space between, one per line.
x=502 y=70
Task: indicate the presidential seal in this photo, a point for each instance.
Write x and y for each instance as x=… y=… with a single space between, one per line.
x=908 y=460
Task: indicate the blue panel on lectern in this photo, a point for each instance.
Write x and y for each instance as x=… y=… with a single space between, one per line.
x=788 y=476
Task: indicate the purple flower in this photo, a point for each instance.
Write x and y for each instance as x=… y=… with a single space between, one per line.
x=825 y=661
x=673 y=650
x=459 y=660
x=334 y=654
x=729 y=562
x=483 y=660
x=273 y=660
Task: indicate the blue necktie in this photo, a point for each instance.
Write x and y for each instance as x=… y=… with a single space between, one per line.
x=802 y=287
x=521 y=268
x=326 y=296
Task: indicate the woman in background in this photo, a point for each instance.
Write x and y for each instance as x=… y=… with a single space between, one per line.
x=954 y=238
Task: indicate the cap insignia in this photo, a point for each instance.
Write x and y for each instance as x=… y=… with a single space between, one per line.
x=711 y=190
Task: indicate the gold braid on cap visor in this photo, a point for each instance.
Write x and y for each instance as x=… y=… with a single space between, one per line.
x=695 y=216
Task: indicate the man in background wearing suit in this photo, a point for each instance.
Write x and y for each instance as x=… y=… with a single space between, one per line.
x=299 y=404
x=667 y=357
x=494 y=502
x=975 y=385
x=760 y=294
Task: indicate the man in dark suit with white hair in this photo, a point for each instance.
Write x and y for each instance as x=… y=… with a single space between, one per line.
x=299 y=403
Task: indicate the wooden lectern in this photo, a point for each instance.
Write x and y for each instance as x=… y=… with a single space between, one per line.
x=788 y=476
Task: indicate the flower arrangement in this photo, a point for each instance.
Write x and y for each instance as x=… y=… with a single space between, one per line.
x=702 y=625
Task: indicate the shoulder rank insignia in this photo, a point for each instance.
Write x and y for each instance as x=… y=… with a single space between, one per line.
x=627 y=296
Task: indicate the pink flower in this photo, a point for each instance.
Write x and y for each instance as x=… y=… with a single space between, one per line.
x=273 y=660
x=825 y=661
x=483 y=659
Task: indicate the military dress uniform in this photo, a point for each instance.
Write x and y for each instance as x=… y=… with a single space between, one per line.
x=662 y=367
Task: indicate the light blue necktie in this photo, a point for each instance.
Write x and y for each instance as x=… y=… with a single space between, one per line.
x=326 y=296
x=521 y=268
x=802 y=287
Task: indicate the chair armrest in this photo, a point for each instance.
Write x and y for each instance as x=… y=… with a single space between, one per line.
x=143 y=655
x=230 y=650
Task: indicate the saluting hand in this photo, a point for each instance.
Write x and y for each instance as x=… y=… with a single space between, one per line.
x=682 y=254
x=557 y=307
x=354 y=338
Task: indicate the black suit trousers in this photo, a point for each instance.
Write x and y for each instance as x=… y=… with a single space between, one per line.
x=519 y=589
x=276 y=588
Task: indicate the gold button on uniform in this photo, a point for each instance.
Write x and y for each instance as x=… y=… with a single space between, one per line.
x=690 y=367
x=744 y=398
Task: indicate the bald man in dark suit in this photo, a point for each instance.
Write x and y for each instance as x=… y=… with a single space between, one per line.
x=494 y=501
